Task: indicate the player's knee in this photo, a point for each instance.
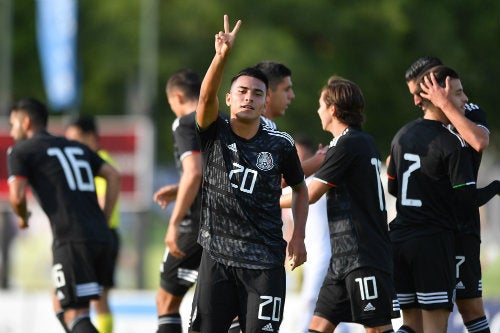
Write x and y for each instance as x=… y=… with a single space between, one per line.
x=167 y=303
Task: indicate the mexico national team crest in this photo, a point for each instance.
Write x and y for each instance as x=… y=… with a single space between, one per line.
x=265 y=161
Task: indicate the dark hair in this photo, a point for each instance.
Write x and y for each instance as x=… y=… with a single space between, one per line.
x=347 y=98
x=86 y=124
x=34 y=109
x=274 y=71
x=252 y=72
x=187 y=81
x=440 y=73
x=421 y=65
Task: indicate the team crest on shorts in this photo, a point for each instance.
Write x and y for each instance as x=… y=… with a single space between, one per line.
x=265 y=161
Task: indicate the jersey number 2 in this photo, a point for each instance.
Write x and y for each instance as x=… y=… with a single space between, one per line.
x=405 y=201
x=74 y=168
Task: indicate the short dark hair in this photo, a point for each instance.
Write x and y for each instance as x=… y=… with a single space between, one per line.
x=86 y=124
x=440 y=73
x=347 y=98
x=34 y=109
x=252 y=72
x=274 y=71
x=187 y=81
x=421 y=65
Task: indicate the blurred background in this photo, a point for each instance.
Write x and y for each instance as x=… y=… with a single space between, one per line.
x=112 y=58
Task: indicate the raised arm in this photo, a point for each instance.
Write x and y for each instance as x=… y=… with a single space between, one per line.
x=208 y=105
x=476 y=136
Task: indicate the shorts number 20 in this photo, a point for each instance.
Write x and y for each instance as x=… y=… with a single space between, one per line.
x=270 y=301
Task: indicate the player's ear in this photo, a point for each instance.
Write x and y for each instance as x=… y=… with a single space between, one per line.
x=228 y=99
x=333 y=110
x=26 y=122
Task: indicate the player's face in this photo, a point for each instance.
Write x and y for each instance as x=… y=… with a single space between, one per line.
x=76 y=134
x=17 y=129
x=412 y=87
x=280 y=99
x=73 y=133
x=458 y=96
x=324 y=113
x=247 y=98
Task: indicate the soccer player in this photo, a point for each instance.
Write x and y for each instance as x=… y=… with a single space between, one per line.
x=241 y=271
x=84 y=129
x=358 y=286
x=280 y=95
x=61 y=174
x=432 y=175
x=179 y=269
x=471 y=126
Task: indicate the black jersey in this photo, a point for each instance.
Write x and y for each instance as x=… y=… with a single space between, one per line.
x=186 y=142
x=61 y=174
x=356 y=209
x=269 y=123
x=241 y=222
x=427 y=161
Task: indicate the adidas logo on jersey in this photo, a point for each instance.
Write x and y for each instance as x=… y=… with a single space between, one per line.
x=268 y=328
x=460 y=285
x=232 y=147
x=369 y=307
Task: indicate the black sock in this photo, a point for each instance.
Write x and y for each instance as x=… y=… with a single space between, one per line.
x=479 y=325
x=82 y=324
x=388 y=331
x=405 y=329
x=170 y=323
x=235 y=327
x=60 y=317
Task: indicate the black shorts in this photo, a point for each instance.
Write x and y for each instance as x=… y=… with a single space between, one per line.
x=424 y=271
x=178 y=275
x=78 y=272
x=365 y=296
x=468 y=266
x=256 y=296
x=109 y=279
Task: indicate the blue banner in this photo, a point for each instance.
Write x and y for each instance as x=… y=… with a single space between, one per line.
x=57 y=28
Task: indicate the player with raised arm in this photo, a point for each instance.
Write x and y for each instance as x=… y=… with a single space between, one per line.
x=241 y=271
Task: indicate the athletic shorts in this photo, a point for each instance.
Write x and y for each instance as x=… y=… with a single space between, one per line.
x=109 y=280
x=468 y=266
x=256 y=296
x=78 y=272
x=365 y=296
x=424 y=272
x=178 y=275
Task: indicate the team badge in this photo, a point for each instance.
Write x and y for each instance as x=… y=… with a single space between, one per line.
x=265 y=161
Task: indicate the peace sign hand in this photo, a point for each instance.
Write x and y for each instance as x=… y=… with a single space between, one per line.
x=224 y=40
